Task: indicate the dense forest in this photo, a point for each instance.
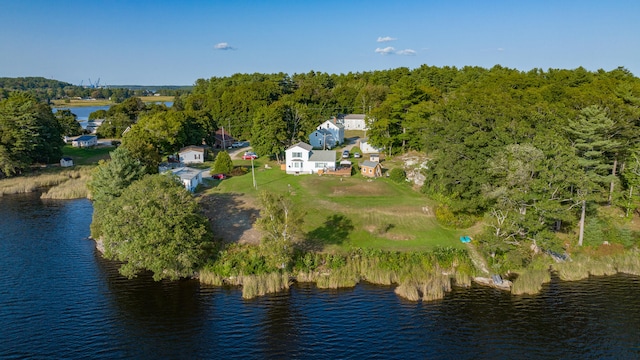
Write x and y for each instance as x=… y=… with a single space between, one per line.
x=532 y=153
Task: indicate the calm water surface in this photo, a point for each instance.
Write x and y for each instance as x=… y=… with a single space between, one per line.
x=82 y=112
x=60 y=299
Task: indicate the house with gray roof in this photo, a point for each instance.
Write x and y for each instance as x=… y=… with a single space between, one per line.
x=302 y=159
x=189 y=177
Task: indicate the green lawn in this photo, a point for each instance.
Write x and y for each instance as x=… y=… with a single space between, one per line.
x=352 y=212
x=86 y=156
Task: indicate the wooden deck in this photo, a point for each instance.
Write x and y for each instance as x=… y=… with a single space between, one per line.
x=339 y=171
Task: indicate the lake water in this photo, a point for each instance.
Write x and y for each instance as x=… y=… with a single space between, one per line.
x=83 y=112
x=60 y=299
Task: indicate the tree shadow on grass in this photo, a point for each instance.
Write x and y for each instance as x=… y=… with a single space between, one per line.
x=334 y=231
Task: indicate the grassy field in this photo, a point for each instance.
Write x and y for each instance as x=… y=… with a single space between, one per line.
x=152 y=99
x=79 y=102
x=87 y=156
x=342 y=213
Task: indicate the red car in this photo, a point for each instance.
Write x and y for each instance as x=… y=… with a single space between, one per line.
x=249 y=155
x=219 y=176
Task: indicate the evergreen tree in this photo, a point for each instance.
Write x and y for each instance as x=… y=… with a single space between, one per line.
x=591 y=135
x=223 y=163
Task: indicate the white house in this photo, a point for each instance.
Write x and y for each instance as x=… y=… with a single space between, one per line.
x=302 y=159
x=367 y=148
x=192 y=154
x=322 y=139
x=336 y=129
x=354 y=122
x=189 y=177
x=85 y=141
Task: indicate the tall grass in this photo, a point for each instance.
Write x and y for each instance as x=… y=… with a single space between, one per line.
x=259 y=285
x=584 y=265
x=530 y=281
x=628 y=262
x=430 y=274
x=433 y=287
x=25 y=184
x=70 y=189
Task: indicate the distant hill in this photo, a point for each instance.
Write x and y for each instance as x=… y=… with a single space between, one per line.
x=48 y=89
x=30 y=83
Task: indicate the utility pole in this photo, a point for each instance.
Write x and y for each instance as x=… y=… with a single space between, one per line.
x=253 y=174
x=224 y=143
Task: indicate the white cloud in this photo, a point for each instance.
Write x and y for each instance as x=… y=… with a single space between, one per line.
x=223 y=46
x=500 y=49
x=386 y=39
x=408 y=52
x=386 y=51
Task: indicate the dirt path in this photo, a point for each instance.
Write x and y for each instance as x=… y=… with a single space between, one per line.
x=477 y=259
x=232 y=218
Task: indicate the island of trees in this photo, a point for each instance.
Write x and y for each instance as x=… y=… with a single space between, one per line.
x=540 y=167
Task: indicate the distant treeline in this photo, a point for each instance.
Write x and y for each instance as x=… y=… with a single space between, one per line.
x=46 y=90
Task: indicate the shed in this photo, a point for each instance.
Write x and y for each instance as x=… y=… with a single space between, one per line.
x=66 y=162
x=371 y=168
x=374 y=157
x=189 y=177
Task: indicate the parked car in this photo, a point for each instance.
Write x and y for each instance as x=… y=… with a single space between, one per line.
x=238 y=144
x=356 y=155
x=345 y=154
x=219 y=176
x=248 y=155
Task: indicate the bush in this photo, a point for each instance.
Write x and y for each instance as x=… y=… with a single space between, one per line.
x=397 y=175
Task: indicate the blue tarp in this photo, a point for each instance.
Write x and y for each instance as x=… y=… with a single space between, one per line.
x=465 y=239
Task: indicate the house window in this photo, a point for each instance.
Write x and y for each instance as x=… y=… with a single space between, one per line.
x=370 y=171
x=296 y=154
x=320 y=165
x=296 y=164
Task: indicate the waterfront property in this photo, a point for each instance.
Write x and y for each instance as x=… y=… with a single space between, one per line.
x=302 y=159
x=85 y=141
x=189 y=177
x=192 y=154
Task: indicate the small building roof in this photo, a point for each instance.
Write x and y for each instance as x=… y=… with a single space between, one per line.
x=192 y=148
x=336 y=124
x=354 y=116
x=369 y=163
x=66 y=158
x=85 y=138
x=186 y=173
x=323 y=155
x=302 y=145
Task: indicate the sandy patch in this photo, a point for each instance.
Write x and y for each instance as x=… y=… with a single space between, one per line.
x=232 y=217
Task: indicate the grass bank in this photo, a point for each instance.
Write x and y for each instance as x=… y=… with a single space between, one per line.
x=61 y=183
x=430 y=275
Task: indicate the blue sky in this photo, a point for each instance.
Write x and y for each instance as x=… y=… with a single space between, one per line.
x=177 y=42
